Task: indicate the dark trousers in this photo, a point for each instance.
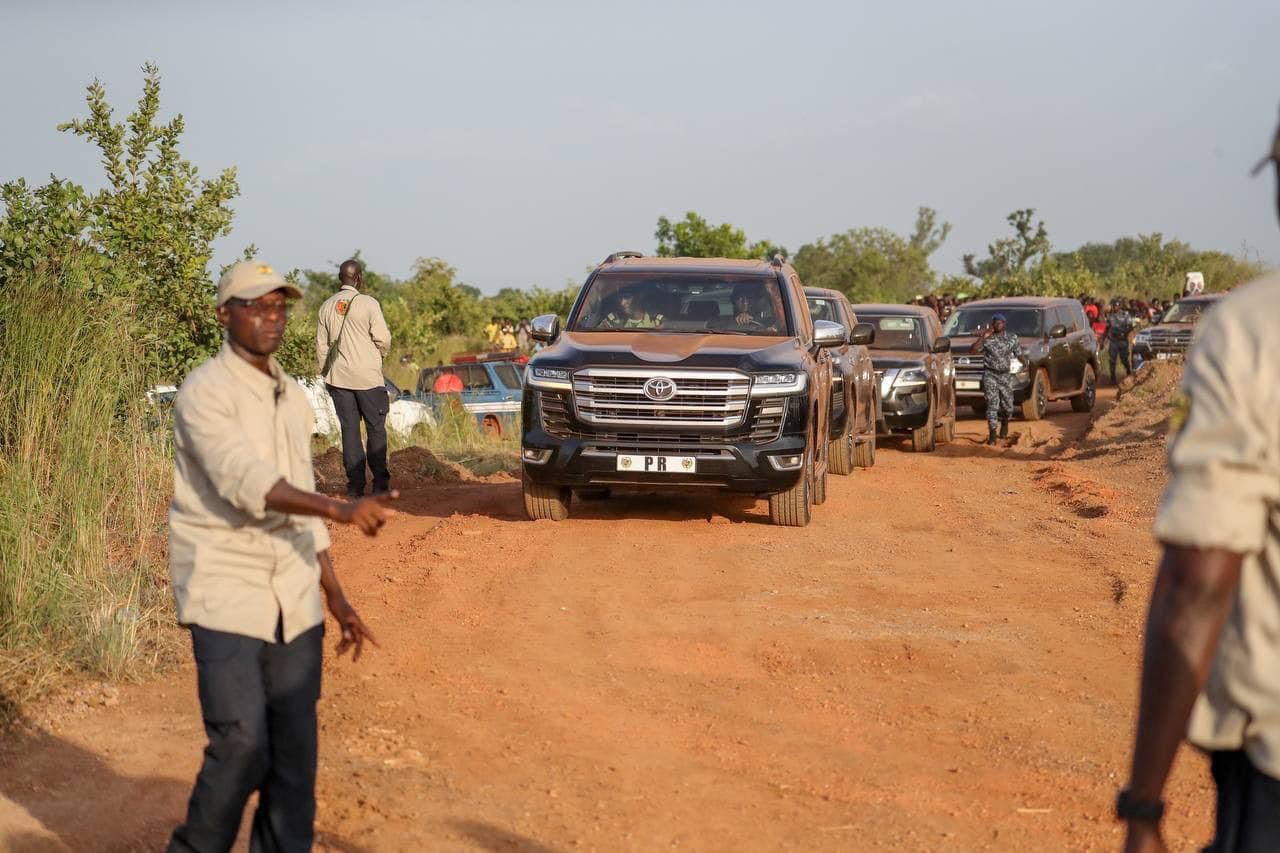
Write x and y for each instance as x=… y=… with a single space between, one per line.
x=997 y=389
x=258 y=701
x=1119 y=351
x=370 y=406
x=1248 y=819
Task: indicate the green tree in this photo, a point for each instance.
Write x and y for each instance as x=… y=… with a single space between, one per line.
x=875 y=264
x=150 y=229
x=1149 y=266
x=1014 y=255
x=694 y=237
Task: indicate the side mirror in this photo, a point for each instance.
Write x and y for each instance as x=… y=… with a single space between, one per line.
x=545 y=328
x=942 y=345
x=829 y=334
x=863 y=334
x=1058 y=331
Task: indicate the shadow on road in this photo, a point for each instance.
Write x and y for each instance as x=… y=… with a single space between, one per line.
x=489 y=837
x=78 y=797
x=82 y=803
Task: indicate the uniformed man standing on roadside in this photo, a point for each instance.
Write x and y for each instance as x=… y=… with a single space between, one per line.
x=1119 y=324
x=352 y=338
x=1211 y=664
x=249 y=558
x=999 y=348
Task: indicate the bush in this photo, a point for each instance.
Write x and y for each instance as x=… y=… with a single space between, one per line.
x=83 y=485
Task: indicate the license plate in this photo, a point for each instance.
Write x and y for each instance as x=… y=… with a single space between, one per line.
x=967 y=385
x=1161 y=356
x=658 y=464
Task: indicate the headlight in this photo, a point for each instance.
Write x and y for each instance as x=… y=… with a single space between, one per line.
x=911 y=378
x=1143 y=337
x=766 y=384
x=549 y=377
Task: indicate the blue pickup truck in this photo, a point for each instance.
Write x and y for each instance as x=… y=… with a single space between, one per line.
x=489 y=386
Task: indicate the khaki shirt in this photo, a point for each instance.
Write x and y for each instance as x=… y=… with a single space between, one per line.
x=365 y=341
x=237 y=566
x=1224 y=492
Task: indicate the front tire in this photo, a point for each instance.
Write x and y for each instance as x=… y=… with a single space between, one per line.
x=840 y=451
x=922 y=438
x=794 y=507
x=945 y=432
x=864 y=455
x=543 y=502
x=1083 y=402
x=1038 y=400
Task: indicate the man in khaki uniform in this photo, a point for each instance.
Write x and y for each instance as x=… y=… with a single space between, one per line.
x=351 y=321
x=249 y=557
x=1211 y=667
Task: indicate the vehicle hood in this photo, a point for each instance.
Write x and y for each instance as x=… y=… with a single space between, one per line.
x=1169 y=327
x=890 y=359
x=621 y=348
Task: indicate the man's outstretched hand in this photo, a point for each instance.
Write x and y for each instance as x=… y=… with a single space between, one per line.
x=369 y=514
x=354 y=631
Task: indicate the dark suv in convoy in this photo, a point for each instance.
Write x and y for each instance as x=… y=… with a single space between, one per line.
x=855 y=407
x=914 y=369
x=1171 y=336
x=1060 y=352
x=681 y=373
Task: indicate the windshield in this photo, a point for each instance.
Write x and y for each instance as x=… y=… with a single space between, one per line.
x=1023 y=322
x=905 y=333
x=1185 y=312
x=824 y=309
x=682 y=303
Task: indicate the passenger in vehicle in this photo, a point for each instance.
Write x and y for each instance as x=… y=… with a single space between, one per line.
x=629 y=313
x=751 y=310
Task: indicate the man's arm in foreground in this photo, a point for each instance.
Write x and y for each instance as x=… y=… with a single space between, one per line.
x=1189 y=605
x=354 y=632
x=369 y=514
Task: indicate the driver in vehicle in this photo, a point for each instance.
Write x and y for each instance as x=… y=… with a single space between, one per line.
x=751 y=310
x=630 y=313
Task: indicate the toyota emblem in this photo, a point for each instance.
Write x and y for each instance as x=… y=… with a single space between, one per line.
x=660 y=389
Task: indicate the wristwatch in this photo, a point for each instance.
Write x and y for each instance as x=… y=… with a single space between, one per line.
x=1128 y=808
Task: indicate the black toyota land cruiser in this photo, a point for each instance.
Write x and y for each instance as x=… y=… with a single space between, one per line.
x=681 y=373
x=1060 y=352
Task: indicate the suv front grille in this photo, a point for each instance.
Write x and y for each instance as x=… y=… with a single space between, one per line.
x=1170 y=341
x=703 y=398
x=555 y=413
x=766 y=421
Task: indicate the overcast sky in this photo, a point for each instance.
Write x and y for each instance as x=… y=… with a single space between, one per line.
x=523 y=142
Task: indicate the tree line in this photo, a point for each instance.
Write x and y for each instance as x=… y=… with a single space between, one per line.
x=147 y=237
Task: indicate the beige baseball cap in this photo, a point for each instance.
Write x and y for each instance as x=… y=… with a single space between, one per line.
x=251 y=279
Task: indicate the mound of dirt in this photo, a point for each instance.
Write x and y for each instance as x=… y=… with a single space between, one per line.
x=418 y=466
x=410 y=468
x=1139 y=420
x=330 y=476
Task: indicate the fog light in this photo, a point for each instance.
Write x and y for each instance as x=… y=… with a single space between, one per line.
x=787 y=462
x=535 y=455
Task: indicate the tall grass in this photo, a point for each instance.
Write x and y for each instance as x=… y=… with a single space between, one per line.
x=84 y=478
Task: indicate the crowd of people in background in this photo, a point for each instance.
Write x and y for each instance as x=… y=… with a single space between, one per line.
x=503 y=333
x=1114 y=321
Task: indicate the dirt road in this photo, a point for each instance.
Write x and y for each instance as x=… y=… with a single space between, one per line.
x=945 y=659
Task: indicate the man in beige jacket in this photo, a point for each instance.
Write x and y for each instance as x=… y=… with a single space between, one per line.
x=251 y=574
x=351 y=322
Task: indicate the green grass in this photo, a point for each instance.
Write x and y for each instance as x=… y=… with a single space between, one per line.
x=85 y=473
